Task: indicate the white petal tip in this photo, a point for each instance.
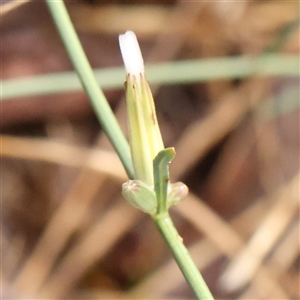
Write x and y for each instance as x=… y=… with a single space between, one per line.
x=131 y=53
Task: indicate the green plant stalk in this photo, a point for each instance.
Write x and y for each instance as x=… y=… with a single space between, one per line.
x=85 y=73
x=167 y=229
x=187 y=266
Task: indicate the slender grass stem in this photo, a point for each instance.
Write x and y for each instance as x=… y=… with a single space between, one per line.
x=175 y=72
x=85 y=73
x=182 y=256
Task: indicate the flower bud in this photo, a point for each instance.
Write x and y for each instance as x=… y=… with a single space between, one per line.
x=176 y=193
x=140 y=195
x=144 y=134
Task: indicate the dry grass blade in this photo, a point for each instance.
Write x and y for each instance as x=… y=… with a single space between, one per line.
x=70 y=213
x=287 y=251
x=99 y=160
x=243 y=267
x=205 y=134
x=91 y=248
x=9 y=6
x=66 y=220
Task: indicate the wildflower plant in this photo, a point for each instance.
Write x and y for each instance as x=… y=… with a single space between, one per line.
x=152 y=191
x=146 y=161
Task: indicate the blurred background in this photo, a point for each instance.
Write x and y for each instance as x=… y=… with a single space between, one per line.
x=67 y=233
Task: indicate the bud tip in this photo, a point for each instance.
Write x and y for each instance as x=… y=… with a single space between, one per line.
x=131 y=54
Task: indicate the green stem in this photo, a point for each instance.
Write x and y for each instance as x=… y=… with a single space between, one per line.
x=181 y=255
x=179 y=72
x=82 y=67
x=167 y=229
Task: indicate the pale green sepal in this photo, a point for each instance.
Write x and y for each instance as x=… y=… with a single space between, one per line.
x=140 y=195
x=176 y=193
